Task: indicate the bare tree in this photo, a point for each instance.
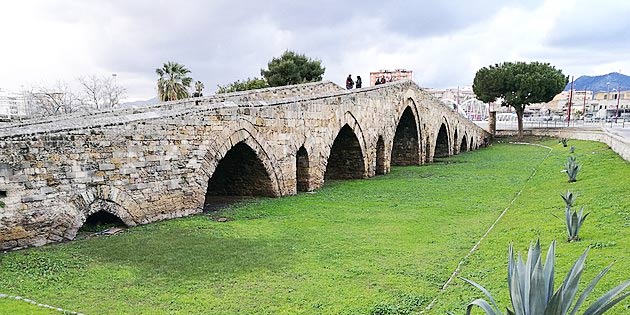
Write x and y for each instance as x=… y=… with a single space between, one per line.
x=100 y=92
x=95 y=93
x=55 y=100
x=91 y=93
x=112 y=91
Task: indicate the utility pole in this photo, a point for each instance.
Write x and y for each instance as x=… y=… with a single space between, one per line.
x=570 y=101
x=618 y=97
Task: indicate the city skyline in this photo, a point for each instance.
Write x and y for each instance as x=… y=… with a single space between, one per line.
x=220 y=42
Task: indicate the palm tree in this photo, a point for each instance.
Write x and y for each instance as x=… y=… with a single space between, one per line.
x=173 y=81
x=198 y=89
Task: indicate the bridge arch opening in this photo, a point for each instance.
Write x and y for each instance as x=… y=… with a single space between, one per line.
x=405 y=149
x=442 y=144
x=463 y=147
x=239 y=173
x=380 y=156
x=302 y=170
x=100 y=215
x=100 y=221
x=346 y=158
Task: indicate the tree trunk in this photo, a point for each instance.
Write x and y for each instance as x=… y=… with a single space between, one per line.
x=492 y=124
x=519 y=116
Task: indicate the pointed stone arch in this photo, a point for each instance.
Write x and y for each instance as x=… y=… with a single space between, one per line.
x=442 y=141
x=346 y=159
x=463 y=147
x=347 y=120
x=248 y=144
x=106 y=199
x=406 y=143
x=241 y=173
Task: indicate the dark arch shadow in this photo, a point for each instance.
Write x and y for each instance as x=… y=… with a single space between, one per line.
x=346 y=158
x=380 y=156
x=405 y=148
x=441 y=143
x=101 y=220
x=302 y=170
x=239 y=173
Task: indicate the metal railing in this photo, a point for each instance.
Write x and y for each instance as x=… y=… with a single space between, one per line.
x=610 y=123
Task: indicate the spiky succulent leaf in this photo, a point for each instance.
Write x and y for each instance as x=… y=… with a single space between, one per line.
x=485 y=292
x=549 y=270
x=588 y=289
x=483 y=305
x=569 y=199
x=608 y=300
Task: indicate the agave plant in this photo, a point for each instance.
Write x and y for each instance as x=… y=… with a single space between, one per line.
x=572 y=168
x=569 y=199
x=572 y=149
x=575 y=219
x=531 y=286
x=564 y=142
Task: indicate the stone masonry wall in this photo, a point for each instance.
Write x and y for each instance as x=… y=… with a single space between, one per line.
x=156 y=163
x=617 y=143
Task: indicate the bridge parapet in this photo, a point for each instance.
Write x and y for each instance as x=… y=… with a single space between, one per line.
x=266 y=94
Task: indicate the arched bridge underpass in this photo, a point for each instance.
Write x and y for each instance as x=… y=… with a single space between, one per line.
x=172 y=159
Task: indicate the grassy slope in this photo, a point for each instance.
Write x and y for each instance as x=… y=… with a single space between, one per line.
x=602 y=188
x=356 y=247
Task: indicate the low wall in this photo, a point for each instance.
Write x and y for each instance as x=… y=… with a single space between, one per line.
x=617 y=143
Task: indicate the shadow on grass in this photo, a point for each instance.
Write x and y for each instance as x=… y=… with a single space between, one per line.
x=180 y=253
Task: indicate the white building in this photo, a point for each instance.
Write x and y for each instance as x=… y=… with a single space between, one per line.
x=12 y=105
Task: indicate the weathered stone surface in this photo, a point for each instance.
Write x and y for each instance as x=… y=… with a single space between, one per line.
x=165 y=161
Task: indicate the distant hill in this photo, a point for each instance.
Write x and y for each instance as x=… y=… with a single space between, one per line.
x=601 y=82
x=151 y=101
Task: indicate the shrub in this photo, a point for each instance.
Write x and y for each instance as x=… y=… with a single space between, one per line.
x=572 y=168
x=531 y=286
x=564 y=142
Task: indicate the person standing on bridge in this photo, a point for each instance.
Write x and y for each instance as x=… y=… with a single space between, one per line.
x=359 y=83
x=349 y=82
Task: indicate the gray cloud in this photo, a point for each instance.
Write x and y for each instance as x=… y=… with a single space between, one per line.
x=600 y=26
x=220 y=41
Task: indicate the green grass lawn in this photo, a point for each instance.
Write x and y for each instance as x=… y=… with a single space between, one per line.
x=377 y=246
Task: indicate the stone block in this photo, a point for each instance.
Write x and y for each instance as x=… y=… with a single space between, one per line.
x=106 y=167
x=33 y=198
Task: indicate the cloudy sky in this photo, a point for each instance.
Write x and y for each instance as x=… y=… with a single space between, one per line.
x=443 y=42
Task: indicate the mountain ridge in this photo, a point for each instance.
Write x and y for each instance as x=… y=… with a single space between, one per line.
x=607 y=82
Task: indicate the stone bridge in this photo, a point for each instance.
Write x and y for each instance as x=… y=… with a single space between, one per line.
x=173 y=159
